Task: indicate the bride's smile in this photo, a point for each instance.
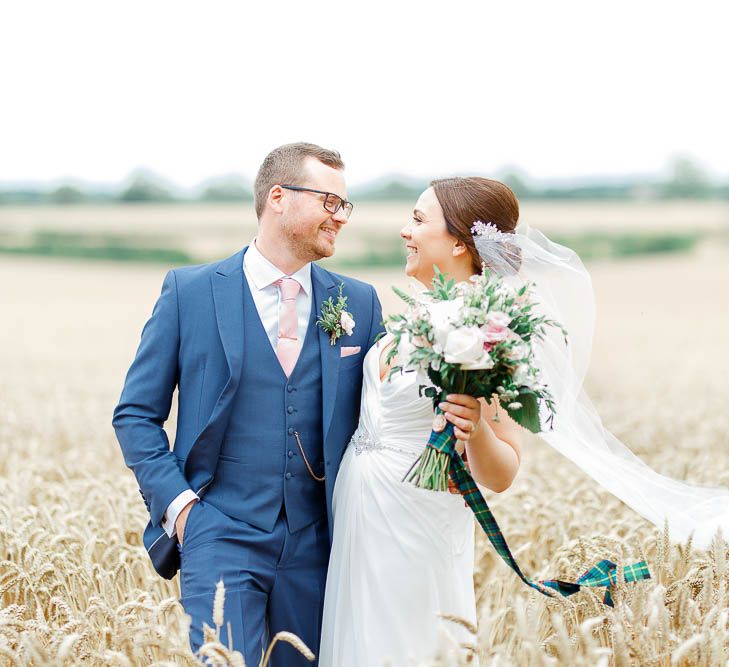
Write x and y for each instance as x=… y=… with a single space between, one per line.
x=428 y=242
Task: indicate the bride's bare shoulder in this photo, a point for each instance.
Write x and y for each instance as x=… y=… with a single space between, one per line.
x=384 y=340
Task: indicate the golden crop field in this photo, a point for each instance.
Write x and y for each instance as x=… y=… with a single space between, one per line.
x=210 y=231
x=76 y=586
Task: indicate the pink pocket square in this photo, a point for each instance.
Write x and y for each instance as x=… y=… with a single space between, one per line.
x=349 y=351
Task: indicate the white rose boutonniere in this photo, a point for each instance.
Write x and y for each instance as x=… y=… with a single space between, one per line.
x=335 y=319
x=347 y=322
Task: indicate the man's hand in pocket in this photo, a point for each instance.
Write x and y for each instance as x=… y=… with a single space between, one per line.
x=182 y=520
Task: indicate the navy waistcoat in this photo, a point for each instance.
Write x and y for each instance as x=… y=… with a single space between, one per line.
x=260 y=466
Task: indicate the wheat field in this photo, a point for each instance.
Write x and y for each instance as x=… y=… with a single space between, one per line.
x=210 y=231
x=76 y=586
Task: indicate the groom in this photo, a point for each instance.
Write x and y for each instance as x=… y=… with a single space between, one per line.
x=267 y=403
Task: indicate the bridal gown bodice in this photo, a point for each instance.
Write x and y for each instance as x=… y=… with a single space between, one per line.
x=393 y=416
x=401 y=555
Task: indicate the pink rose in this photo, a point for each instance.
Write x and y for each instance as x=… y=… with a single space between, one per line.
x=498 y=319
x=494 y=334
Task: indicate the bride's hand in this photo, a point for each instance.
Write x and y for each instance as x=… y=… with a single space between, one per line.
x=464 y=412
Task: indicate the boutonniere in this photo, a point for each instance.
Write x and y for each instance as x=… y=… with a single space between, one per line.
x=334 y=319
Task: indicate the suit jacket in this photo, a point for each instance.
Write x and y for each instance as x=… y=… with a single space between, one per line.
x=194 y=342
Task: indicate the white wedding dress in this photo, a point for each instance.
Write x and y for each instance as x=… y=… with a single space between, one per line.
x=401 y=555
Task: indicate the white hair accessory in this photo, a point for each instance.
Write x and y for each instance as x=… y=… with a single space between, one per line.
x=486 y=229
x=496 y=248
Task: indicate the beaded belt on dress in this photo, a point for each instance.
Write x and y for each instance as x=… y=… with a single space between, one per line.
x=363 y=442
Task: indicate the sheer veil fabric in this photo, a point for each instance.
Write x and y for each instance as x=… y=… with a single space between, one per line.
x=563 y=289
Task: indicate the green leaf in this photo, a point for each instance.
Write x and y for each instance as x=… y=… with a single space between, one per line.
x=528 y=414
x=405 y=297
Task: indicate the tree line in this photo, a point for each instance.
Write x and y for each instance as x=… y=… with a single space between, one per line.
x=685 y=180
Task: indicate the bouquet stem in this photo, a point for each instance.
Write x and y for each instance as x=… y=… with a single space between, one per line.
x=432 y=468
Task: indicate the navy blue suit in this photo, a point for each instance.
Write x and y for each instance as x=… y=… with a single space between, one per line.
x=263 y=523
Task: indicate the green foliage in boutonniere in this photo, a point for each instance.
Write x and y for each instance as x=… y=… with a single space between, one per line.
x=334 y=319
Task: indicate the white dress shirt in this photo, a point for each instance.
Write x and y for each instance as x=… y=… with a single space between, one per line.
x=261 y=276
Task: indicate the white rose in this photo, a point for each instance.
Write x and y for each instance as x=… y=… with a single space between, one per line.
x=464 y=346
x=483 y=364
x=520 y=351
x=347 y=322
x=522 y=376
x=442 y=315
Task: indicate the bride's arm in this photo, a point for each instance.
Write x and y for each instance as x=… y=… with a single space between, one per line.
x=493 y=448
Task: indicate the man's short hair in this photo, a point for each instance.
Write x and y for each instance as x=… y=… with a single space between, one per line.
x=284 y=165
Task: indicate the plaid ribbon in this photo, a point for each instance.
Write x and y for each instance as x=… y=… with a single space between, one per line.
x=602 y=574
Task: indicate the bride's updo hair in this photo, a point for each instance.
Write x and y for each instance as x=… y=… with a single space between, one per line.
x=465 y=200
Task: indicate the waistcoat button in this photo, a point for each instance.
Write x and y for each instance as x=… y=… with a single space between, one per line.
x=289 y=475
x=290 y=409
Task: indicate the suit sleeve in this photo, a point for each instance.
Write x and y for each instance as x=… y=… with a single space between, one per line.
x=145 y=405
x=376 y=325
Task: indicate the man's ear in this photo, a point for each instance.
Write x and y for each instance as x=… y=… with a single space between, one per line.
x=274 y=199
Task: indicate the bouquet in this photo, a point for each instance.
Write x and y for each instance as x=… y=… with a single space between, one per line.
x=478 y=338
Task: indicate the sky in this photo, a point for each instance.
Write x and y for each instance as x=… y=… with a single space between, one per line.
x=191 y=90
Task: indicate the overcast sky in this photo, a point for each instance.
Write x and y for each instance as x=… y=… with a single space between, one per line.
x=93 y=90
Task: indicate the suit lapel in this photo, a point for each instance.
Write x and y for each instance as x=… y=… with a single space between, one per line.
x=227 y=287
x=322 y=288
x=228 y=298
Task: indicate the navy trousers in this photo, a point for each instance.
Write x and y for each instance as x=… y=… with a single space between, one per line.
x=273 y=581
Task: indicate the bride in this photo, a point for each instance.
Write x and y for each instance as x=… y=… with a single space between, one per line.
x=403 y=556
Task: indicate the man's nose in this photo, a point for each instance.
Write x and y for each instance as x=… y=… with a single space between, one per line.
x=405 y=232
x=340 y=216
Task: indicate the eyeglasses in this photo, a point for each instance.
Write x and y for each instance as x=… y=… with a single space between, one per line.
x=332 y=202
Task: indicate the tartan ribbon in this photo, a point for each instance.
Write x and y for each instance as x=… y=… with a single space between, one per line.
x=603 y=573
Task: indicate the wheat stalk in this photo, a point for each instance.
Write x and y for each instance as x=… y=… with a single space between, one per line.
x=292 y=639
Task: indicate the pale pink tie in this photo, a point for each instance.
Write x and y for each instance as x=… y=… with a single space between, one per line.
x=288 y=347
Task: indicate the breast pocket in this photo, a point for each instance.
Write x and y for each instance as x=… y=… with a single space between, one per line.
x=353 y=361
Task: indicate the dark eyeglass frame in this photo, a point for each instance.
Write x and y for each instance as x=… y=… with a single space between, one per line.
x=329 y=207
